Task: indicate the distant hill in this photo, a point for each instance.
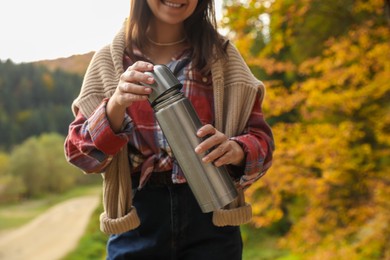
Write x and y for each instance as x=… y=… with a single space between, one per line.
x=35 y=99
x=74 y=64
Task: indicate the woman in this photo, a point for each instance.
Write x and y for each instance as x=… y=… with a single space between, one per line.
x=150 y=211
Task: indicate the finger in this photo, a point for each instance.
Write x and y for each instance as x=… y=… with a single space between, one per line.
x=211 y=143
x=132 y=88
x=136 y=76
x=224 y=159
x=234 y=155
x=217 y=153
x=141 y=66
x=133 y=98
x=206 y=130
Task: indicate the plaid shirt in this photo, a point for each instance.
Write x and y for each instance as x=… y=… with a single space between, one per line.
x=91 y=143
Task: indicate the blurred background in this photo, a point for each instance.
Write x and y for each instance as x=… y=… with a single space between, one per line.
x=326 y=67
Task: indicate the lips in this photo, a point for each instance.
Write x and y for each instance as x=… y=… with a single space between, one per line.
x=172 y=4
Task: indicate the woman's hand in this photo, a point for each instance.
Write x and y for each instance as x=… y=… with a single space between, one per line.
x=222 y=150
x=128 y=91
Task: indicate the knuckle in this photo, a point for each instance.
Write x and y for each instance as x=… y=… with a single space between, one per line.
x=135 y=64
x=123 y=76
x=129 y=87
x=125 y=87
x=214 y=139
x=139 y=64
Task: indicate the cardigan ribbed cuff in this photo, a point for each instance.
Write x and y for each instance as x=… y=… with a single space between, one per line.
x=123 y=224
x=232 y=217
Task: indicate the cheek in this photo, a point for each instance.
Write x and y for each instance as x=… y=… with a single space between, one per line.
x=154 y=5
x=192 y=6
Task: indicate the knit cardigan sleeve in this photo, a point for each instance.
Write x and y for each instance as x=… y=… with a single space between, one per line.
x=235 y=92
x=100 y=81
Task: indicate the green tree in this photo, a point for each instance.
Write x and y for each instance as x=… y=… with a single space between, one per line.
x=34 y=100
x=11 y=187
x=40 y=163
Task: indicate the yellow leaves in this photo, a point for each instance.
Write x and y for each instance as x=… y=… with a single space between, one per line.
x=374 y=6
x=359 y=47
x=327 y=74
x=48 y=81
x=266 y=202
x=271 y=65
x=243 y=43
x=373 y=235
x=4 y=163
x=382 y=128
x=280 y=100
x=312 y=162
x=354 y=71
x=320 y=146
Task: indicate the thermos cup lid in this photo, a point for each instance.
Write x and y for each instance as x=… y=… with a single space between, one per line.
x=164 y=82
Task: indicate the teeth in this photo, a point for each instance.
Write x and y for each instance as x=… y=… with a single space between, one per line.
x=174 y=5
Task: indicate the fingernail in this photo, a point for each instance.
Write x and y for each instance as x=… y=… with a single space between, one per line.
x=150 y=79
x=205 y=159
x=197 y=149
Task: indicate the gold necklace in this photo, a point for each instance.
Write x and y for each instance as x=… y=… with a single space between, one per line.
x=168 y=43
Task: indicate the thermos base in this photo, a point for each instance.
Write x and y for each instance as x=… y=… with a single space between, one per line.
x=218 y=203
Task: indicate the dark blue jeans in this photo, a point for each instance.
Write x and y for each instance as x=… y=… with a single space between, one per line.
x=173 y=227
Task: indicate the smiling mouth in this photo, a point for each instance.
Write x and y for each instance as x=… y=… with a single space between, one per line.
x=172 y=4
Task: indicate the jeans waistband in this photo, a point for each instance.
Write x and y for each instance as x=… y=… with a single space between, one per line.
x=156 y=179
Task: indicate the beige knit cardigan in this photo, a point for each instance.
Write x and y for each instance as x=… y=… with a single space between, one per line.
x=235 y=90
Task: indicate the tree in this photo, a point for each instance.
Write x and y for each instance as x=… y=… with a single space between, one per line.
x=327 y=71
x=11 y=187
x=41 y=165
x=33 y=101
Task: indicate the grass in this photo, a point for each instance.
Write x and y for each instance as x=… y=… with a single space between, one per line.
x=261 y=244
x=93 y=243
x=17 y=214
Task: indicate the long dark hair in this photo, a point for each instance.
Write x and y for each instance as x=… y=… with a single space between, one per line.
x=200 y=28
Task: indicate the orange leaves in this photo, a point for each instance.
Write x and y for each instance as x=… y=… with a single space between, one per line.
x=326 y=66
x=271 y=65
x=279 y=100
x=265 y=203
x=353 y=71
x=372 y=6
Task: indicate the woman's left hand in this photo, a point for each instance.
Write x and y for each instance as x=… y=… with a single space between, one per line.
x=222 y=151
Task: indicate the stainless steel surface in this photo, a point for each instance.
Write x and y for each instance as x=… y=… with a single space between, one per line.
x=212 y=186
x=165 y=82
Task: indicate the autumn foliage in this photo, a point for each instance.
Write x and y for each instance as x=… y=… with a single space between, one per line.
x=326 y=65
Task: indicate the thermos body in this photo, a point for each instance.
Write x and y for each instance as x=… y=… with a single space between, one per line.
x=211 y=185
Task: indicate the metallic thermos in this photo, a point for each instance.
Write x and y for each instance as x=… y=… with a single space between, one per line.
x=211 y=185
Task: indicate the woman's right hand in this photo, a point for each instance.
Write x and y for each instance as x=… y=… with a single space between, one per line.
x=128 y=91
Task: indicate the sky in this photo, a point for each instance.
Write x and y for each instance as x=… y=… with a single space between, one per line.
x=32 y=30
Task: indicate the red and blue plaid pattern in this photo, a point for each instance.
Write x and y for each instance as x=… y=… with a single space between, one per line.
x=91 y=143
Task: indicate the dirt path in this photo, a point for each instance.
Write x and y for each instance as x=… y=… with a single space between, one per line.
x=51 y=235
